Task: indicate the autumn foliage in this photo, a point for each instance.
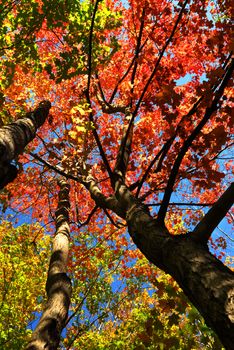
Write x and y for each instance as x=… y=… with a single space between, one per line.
x=141 y=127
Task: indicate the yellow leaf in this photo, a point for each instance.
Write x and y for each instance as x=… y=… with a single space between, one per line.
x=73 y=134
x=80 y=128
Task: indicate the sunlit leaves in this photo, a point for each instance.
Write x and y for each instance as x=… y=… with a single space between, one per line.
x=74 y=41
x=23 y=258
x=45 y=52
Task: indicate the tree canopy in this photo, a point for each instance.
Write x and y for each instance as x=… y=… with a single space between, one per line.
x=140 y=126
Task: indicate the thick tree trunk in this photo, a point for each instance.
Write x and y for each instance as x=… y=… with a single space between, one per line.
x=14 y=137
x=205 y=280
x=46 y=336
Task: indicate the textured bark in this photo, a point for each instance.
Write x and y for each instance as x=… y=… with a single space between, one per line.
x=101 y=200
x=205 y=280
x=14 y=137
x=46 y=336
x=124 y=149
x=208 y=284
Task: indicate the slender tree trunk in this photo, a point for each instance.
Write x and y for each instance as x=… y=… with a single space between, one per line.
x=14 y=137
x=204 y=279
x=46 y=336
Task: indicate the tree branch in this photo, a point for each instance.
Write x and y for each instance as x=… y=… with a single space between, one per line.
x=117 y=225
x=106 y=106
x=126 y=73
x=210 y=221
x=137 y=53
x=161 y=154
x=86 y=222
x=159 y=58
x=87 y=92
x=101 y=200
x=164 y=149
x=56 y=169
x=225 y=234
x=129 y=130
x=126 y=142
x=208 y=113
x=181 y=204
x=91 y=45
x=124 y=151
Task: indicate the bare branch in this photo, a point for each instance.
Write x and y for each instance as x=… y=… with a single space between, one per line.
x=91 y=45
x=161 y=154
x=164 y=150
x=225 y=234
x=88 y=290
x=117 y=225
x=110 y=109
x=106 y=106
x=126 y=73
x=126 y=142
x=216 y=156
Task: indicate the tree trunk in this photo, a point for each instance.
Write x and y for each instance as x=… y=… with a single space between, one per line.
x=205 y=280
x=46 y=336
x=14 y=137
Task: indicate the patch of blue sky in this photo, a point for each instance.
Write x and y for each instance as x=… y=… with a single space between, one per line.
x=187 y=78
x=184 y=80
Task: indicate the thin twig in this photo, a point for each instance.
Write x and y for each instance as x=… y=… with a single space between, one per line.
x=56 y=169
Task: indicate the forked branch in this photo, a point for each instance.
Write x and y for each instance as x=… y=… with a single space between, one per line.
x=101 y=200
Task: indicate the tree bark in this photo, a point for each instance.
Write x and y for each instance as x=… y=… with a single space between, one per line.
x=208 y=283
x=14 y=137
x=46 y=335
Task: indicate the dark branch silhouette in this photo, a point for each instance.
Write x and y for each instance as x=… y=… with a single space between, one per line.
x=217 y=212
